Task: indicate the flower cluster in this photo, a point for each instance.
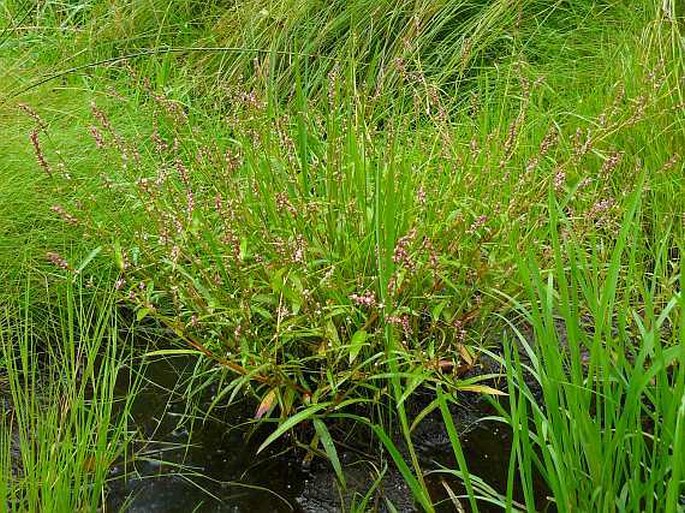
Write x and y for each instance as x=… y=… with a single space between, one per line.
x=367 y=299
x=38 y=150
x=401 y=253
x=400 y=320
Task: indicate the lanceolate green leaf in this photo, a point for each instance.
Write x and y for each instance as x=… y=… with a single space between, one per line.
x=329 y=447
x=291 y=422
x=356 y=344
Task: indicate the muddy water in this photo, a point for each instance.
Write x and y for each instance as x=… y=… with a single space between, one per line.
x=216 y=469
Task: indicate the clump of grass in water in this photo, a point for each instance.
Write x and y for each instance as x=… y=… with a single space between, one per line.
x=595 y=382
x=282 y=251
x=65 y=425
x=598 y=400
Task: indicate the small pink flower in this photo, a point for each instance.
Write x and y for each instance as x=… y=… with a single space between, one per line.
x=401 y=321
x=367 y=299
x=559 y=180
x=401 y=253
x=421 y=196
x=284 y=204
x=478 y=223
x=97 y=136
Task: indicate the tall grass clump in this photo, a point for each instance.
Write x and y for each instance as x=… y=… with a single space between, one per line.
x=597 y=395
x=63 y=425
x=386 y=42
x=282 y=245
x=286 y=242
x=430 y=52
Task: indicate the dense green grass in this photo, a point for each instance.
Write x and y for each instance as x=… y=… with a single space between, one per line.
x=63 y=425
x=611 y=377
x=596 y=384
x=340 y=204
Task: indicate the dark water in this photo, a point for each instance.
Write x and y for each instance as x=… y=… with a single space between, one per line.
x=217 y=468
x=214 y=470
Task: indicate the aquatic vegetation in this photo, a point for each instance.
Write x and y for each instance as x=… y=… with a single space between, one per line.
x=339 y=207
x=63 y=424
